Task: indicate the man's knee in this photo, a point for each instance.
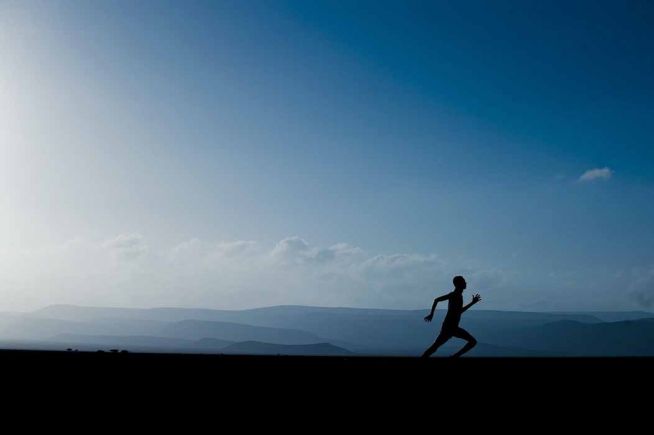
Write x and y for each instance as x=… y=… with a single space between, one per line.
x=472 y=341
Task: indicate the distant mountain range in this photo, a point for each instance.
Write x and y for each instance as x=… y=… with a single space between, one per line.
x=299 y=330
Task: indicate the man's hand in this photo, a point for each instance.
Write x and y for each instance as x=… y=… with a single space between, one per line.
x=476 y=298
x=429 y=317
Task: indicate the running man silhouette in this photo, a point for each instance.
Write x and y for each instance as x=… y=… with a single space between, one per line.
x=451 y=326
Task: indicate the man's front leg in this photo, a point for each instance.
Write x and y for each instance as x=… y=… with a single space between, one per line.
x=469 y=345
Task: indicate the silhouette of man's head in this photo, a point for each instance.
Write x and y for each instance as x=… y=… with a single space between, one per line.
x=459 y=283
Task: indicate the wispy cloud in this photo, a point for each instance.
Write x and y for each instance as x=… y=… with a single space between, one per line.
x=596 y=174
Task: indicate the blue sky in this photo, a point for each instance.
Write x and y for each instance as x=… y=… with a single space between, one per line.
x=451 y=138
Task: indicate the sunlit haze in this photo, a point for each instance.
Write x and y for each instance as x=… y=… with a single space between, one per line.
x=243 y=154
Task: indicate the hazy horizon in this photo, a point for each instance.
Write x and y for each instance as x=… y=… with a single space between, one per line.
x=440 y=310
x=226 y=154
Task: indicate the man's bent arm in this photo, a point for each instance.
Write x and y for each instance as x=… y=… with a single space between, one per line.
x=436 y=301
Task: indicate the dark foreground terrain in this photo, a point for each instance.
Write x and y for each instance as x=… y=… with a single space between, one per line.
x=278 y=392
x=349 y=374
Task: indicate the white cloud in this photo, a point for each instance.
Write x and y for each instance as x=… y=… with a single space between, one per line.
x=237 y=248
x=297 y=250
x=292 y=249
x=125 y=271
x=596 y=174
x=127 y=246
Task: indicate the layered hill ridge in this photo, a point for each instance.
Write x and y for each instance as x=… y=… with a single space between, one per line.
x=360 y=331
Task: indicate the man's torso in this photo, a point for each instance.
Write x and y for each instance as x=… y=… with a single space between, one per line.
x=454 y=307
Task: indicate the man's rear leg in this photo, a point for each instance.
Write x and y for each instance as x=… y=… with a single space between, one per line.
x=471 y=341
x=440 y=340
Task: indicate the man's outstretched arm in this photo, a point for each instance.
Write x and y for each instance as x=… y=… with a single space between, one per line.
x=476 y=298
x=433 y=307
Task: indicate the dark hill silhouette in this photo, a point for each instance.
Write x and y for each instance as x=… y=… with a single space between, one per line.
x=142 y=343
x=625 y=338
x=617 y=316
x=124 y=341
x=211 y=344
x=259 y=348
x=198 y=329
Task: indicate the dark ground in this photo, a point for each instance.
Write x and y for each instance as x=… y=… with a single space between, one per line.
x=553 y=388
x=330 y=372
